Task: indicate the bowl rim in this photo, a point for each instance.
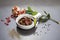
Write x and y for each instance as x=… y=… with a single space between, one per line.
x=23 y=26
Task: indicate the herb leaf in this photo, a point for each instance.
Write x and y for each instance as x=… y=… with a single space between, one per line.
x=48 y=15
x=30 y=11
x=43 y=18
x=34 y=13
x=45 y=12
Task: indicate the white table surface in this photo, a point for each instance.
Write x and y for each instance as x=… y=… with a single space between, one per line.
x=51 y=6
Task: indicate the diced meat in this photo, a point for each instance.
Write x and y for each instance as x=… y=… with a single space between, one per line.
x=25 y=21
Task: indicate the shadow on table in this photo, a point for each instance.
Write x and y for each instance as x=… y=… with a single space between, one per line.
x=26 y=32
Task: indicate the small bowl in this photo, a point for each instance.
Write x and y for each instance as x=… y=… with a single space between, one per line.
x=30 y=16
x=25 y=26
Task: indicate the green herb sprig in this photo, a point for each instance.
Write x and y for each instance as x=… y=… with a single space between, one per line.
x=30 y=11
x=47 y=17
